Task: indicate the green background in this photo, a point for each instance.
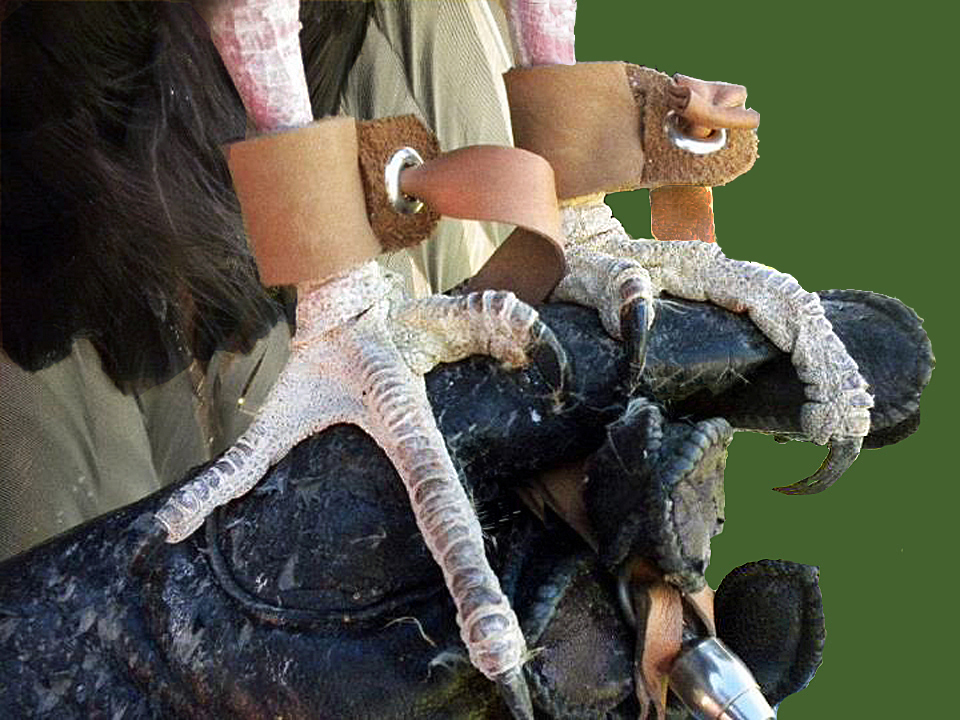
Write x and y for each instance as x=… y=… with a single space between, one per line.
x=854 y=188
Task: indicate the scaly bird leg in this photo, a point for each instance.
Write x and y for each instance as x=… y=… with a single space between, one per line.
x=792 y=319
x=542 y=31
x=358 y=356
x=259 y=43
x=367 y=370
x=621 y=276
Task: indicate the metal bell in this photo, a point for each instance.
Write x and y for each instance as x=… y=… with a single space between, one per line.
x=715 y=684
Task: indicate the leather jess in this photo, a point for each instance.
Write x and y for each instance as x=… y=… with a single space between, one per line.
x=314 y=201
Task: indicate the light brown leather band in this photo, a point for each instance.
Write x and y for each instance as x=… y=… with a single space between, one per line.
x=659 y=612
x=314 y=200
x=303 y=201
x=701 y=602
x=508 y=185
x=682 y=212
x=658 y=609
x=661 y=637
x=601 y=127
x=582 y=118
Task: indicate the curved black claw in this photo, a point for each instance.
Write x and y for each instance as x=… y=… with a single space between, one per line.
x=515 y=693
x=841 y=456
x=635 y=329
x=149 y=536
x=549 y=357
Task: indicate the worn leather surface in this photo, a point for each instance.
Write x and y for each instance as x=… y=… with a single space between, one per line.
x=601 y=127
x=311 y=210
x=303 y=201
x=582 y=118
x=682 y=212
x=506 y=185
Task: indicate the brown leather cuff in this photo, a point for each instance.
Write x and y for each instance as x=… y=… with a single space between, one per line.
x=302 y=200
x=315 y=204
x=601 y=127
x=314 y=199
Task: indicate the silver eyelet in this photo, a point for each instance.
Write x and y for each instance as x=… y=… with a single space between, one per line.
x=717 y=140
x=402 y=159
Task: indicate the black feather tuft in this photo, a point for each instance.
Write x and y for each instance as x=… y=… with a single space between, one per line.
x=119 y=221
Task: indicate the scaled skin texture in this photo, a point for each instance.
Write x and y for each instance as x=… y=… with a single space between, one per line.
x=620 y=276
x=344 y=369
x=358 y=356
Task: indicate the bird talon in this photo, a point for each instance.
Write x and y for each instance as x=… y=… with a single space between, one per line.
x=516 y=694
x=635 y=323
x=364 y=365
x=548 y=356
x=606 y=262
x=843 y=451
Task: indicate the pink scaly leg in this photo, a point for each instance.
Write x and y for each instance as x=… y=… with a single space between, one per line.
x=542 y=31
x=259 y=42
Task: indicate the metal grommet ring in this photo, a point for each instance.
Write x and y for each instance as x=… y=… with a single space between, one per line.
x=716 y=141
x=402 y=159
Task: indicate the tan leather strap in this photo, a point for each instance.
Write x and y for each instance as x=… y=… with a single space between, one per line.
x=314 y=200
x=660 y=637
x=701 y=603
x=659 y=613
x=507 y=185
x=489 y=182
x=682 y=212
x=601 y=127
x=561 y=490
x=303 y=202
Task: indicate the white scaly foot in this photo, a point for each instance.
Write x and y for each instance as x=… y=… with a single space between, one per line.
x=613 y=272
x=359 y=355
